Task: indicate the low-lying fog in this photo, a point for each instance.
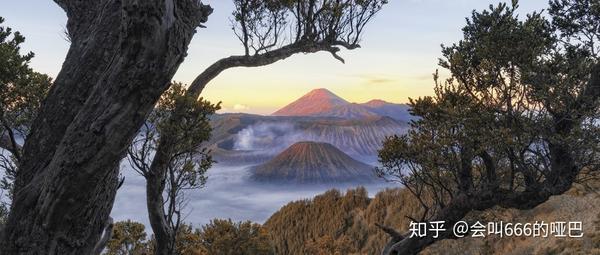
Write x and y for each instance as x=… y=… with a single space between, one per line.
x=228 y=194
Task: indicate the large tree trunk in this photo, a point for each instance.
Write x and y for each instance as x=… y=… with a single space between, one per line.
x=123 y=55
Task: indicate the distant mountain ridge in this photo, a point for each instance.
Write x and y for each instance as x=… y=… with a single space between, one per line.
x=311 y=163
x=358 y=130
x=349 y=111
x=264 y=137
x=324 y=103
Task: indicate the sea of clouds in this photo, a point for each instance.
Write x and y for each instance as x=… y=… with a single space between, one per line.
x=228 y=194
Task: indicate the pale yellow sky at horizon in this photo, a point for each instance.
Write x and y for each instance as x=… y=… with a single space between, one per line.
x=263 y=90
x=399 y=53
x=270 y=95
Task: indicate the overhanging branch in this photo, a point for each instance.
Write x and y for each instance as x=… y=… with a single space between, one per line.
x=262 y=59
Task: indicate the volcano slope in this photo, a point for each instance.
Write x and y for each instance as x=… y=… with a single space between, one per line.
x=313 y=163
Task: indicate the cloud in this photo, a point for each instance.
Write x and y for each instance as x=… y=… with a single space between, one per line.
x=229 y=193
x=240 y=107
x=379 y=80
x=273 y=137
x=376 y=79
x=385 y=79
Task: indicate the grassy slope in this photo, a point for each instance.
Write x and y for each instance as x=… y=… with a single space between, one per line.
x=335 y=223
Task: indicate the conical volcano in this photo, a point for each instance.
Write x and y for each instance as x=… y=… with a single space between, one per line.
x=315 y=102
x=324 y=103
x=313 y=162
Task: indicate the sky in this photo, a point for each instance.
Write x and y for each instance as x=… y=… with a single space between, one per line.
x=400 y=51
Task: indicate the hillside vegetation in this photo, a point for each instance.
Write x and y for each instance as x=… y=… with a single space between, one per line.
x=336 y=223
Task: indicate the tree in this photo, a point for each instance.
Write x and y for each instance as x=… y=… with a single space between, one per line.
x=516 y=122
x=128 y=238
x=122 y=57
x=330 y=223
x=20 y=103
x=327 y=245
x=269 y=31
x=229 y=238
x=21 y=93
x=187 y=165
x=217 y=237
x=189 y=241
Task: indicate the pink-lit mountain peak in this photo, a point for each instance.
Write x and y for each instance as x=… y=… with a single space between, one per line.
x=314 y=102
x=323 y=103
x=376 y=103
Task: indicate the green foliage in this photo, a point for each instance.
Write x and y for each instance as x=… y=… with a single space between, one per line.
x=128 y=238
x=181 y=123
x=21 y=88
x=517 y=101
x=578 y=20
x=189 y=161
x=21 y=93
x=21 y=100
x=14 y=66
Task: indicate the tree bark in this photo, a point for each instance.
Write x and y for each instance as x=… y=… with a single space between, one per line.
x=108 y=232
x=155 y=186
x=6 y=142
x=123 y=55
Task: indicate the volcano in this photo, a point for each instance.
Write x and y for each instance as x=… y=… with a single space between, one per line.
x=350 y=111
x=313 y=103
x=311 y=163
x=324 y=103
